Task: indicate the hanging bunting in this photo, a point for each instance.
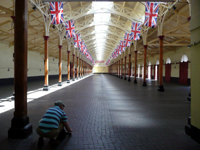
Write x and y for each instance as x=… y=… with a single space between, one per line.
x=70 y=30
x=127 y=40
x=135 y=31
x=56 y=9
x=77 y=40
x=122 y=46
x=151 y=14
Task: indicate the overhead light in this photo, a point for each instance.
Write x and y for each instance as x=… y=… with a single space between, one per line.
x=174 y=7
x=34 y=7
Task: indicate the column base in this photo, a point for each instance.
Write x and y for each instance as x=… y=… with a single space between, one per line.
x=189 y=97
x=121 y=77
x=161 y=88
x=125 y=78
x=73 y=79
x=129 y=79
x=45 y=88
x=135 y=81
x=68 y=81
x=192 y=131
x=144 y=84
x=59 y=83
x=20 y=128
x=77 y=78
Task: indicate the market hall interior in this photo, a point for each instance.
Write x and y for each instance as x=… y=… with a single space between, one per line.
x=157 y=98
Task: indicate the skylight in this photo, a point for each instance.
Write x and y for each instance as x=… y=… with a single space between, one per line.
x=101 y=30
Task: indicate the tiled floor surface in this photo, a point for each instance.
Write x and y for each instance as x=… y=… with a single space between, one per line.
x=108 y=113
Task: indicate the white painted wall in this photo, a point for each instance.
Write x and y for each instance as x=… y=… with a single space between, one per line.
x=6 y=61
x=100 y=69
x=35 y=63
x=175 y=57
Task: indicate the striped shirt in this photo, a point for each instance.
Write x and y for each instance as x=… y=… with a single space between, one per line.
x=52 y=119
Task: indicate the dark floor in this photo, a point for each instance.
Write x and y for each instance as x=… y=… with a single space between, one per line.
x=106 y=112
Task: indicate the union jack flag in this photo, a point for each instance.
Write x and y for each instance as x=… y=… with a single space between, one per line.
x=70 y=30
x=127 y=40
x=118 y=50
x=77 y=40
x=151 y=14
x=135 y=31
x=56 y=9
x=108 y=62
x=85 y=50
x=122 y=46
x=82 y=46
x=114 y=54
x=89 y=57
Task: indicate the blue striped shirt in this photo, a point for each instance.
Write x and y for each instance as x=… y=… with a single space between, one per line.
x=52 y=119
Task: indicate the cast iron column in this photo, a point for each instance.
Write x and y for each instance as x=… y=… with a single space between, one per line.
x=82 y=67
x=135 y=81
x=122 y=68
x=119 y=70
x=125 y=69
x=46 y=67
x=73 y=69
x=161 y=87
x=145 y=65
x=77 y=69
x=129 y=66
x=68 y=67
x=20 y=127
x=60 y=66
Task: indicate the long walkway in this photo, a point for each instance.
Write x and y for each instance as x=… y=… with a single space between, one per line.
x=106 y=112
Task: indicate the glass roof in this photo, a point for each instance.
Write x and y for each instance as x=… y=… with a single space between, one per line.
x=101 y=30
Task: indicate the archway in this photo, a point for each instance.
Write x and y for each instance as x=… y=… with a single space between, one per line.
x=142 y=72
x=183 y=69
x=149 y=71
x=156 y=72
x=138 y=71
x=168 y=70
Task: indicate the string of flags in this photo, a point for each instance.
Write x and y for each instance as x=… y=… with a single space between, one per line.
x=56 y=9
x=151 y=15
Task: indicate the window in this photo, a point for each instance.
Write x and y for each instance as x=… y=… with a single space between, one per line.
x=101 y=30
x=184 y=58
x=168 y=61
